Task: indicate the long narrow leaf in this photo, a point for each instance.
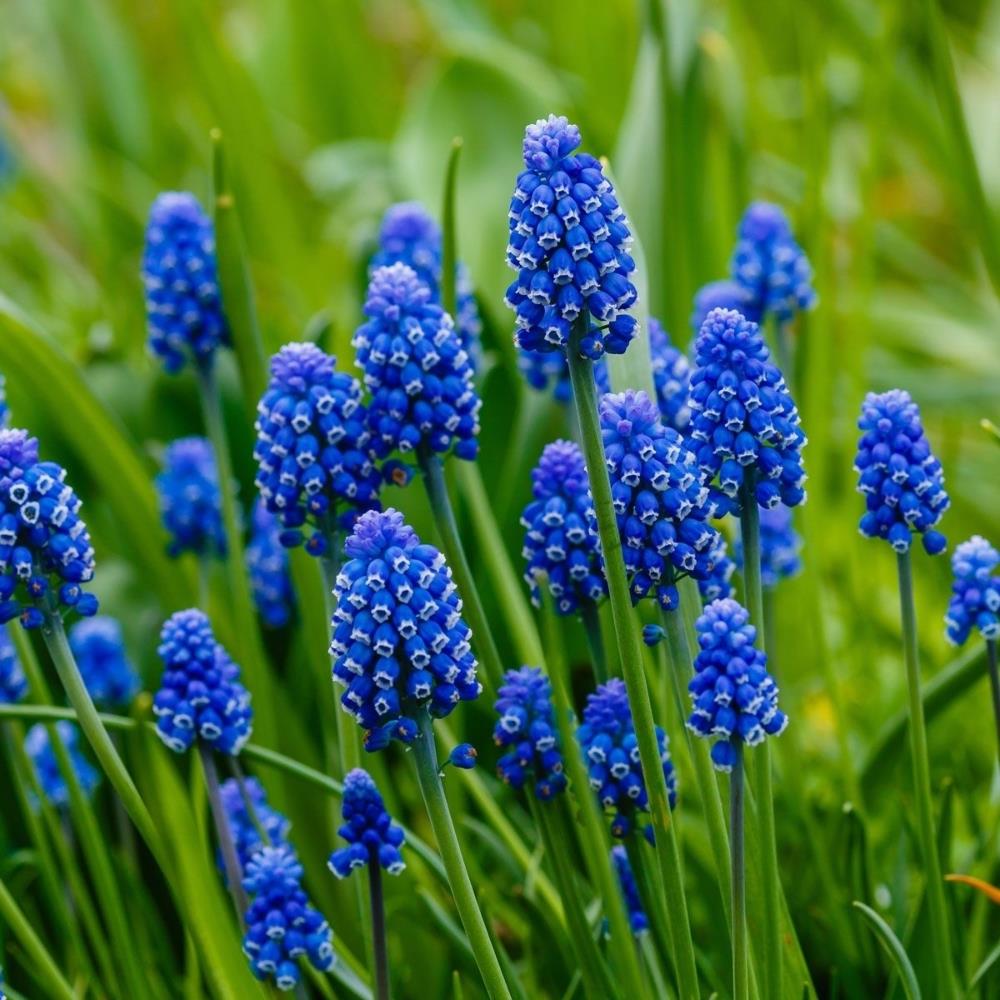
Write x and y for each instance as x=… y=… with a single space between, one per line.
x=894 y=949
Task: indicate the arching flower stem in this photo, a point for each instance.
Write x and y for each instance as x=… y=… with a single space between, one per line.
x=381 y=954
x=230 y=861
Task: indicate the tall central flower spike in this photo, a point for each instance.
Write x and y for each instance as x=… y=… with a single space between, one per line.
x=45 y=550
x=399 y=644
x=190 y=502
x=13 y=683
x=569 y=244
x=526 y=729
x=99 y=650
x=745 y=421
x=780 y=545
x=975 y=592
x=560 y=537
x=51 y=781
x=630 y=890
x=659 y=499
x=734 y=696
x=201 y=697
x=611 y=749
x=267 y=564
x=243 y=827
x=179 y=271
x=315 y=458
x=410 y=236
x=901 y=480
x=282 y=926
x=671 y=376
x=371 y=835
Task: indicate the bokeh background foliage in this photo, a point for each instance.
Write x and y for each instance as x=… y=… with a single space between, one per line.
x=332 y=109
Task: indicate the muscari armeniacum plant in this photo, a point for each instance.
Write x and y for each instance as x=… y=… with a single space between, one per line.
x=190 y=499
x=903 y=486
x=99 y=648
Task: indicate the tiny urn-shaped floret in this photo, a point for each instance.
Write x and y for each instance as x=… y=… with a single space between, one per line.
x=975 y=591
x=372 y=837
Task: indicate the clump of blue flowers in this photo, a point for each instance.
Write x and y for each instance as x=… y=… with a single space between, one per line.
x=901 y=480
x=180 y=275
x=267 y=564
x=246 y=837
x=13 y=683
x=45 y=550
x=190 y=501
x=201 y=696
x=569 y=244
x=630 y=890
x=658 y=496
x=734 y=697
x=723 y=294
x=560 y=536
x=611 y=749
x=51 y=782
x=780 y=545
x=282 y=926
x=975 y=591
x=526 y=729
x=671 y=376
x=400 y=644
x=745 y=422
x=99 y=650
x=371 y=835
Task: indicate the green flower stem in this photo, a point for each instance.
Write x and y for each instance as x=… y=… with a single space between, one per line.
x=425 y=756
x=651 y=894
x=378 y=926
x=591 y=617
x=248 y=803
x=943 y=970
x=991 y=659
x=627 y=633
x=739 y=907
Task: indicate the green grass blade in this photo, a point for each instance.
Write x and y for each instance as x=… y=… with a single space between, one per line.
x=893 y=948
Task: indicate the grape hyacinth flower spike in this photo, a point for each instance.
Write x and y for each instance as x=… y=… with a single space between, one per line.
x=45 y=763
x=190 y=500
x=267 y=563
x=99 y=648
x=671 y=377
x=718 y=584
x=247 y=828
x=630 y=891
x=13 y=683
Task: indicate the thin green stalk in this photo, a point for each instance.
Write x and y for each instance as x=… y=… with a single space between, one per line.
x=449 y=246
x=590 y=614
x=937 y=908
x=425 y=756
x=739 y=908
x=991 y=659
x=627 y=632
x=651 y=895
x=248 y=803
x=230 y=860
x=378 y=926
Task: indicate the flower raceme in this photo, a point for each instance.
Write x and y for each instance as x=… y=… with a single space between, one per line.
x=630 y=890
x=267 y=564
x=372 y=837
x=975 y=591
x=671 y=377
x=190 y=501
x=99 y=650
x=242 y=826
x=13 y=683
x=718 y=583
x=51 y=780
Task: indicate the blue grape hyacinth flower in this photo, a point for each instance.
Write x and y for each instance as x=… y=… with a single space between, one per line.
x=13 y=683
x=745 y=421
x=314 y=452
x=723 y=294
x=45 y=551
x=190 y=501
x=659 y=499
x=526 y=729
x=51 y=782
x=464 y=756
x=416 y=369
x=975 y=592
x=371 y=835
x=267 y=564
x=780 y=545
x=560 y=536
x=611 y=750
x=734 y=697
x=281 y=925
x=246 y=837
x=569 y=244
x=180 y=275
x=630 y=890
x=400 y=645
x=99 y=650
x=671 y=377
x=902 y=481
x=201 y=696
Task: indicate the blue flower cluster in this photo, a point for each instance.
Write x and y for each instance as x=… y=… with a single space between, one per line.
x=526 y=729
x=45 y=550
x=399 y=641
x=371 y=835
x=51 y=782
x=733 y=695
x=611 y=749
x=190 y=501
x=179 y=271
x=201 y=697
x=410 y=236
x=13 y=683
x=975 y=591
x=246 y=836
x=560 y=537
x=901 y=480
x=107 y=671
x=718 y=583
x=281 y=925
x=267 y=564
x=780 y=545
x=671 y=376
x=544 y=368
x=630 y=891
x=745 y=421
x=770 y=265
x=314 y=453
x=724 y=294
x=658 y=497
x=416 y=369
x=569 y=244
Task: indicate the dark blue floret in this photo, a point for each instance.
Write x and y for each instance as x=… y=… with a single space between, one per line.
x=242 y=828
x=13 y=683
x=901 y=480
x=314 y=452
x=672 y=378
x=183 y=307
x=464 y=756
x=201 y=697
x=569 y=244
x=975 y=592
x=780 y=545
x=399 y=644
x=190 y=502
x=718 y=583
x=659 y=500
x=722 y=295
x=99 y=651
x=267 y=564
x=43 y=761
x=416 y=369
x=653 y=635
x=611 y=749
x=734 y=698
x=526 y=730
x=745 y=421
x=560 y=537
x=630 y=891
x=371 y=835
x=281 y=925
